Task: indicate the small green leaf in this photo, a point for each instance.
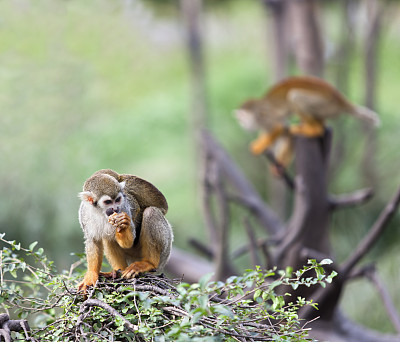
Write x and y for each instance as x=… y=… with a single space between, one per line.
x=326 y=262
x=32 y=245
x=289 y=271
x=205 y=280
x=257 y=294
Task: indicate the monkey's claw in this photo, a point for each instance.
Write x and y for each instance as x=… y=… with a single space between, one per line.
x=136 y=268
x=90 y=279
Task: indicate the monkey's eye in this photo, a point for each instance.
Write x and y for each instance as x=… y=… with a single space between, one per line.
x=107 y=202
x=118 y=200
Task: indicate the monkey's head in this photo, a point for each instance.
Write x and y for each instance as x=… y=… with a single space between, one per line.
x=261 y=113
x=103 y=192
x=250 y=114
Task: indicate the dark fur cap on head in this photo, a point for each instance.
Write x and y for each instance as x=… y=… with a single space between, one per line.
x=103 y=184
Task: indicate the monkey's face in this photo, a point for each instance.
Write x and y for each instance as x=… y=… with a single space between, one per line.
x=249 y=113
x=246 y=119
x=110 y=205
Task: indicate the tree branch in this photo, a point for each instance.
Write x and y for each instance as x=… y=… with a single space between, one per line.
x=224 y=268
x=252 y=242
x=111 y=311
x=260 y=243
x=8 y=325
x=192 y=268
x=281 y=170
x=347 y=200
x=263 y=213
x=386 y=299
x=373 y=235
x=202 y=248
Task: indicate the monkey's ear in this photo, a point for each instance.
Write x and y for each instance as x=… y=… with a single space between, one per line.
x=86 y=196
x=122 y=185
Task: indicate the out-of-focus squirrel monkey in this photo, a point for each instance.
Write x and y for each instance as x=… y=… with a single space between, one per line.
x=312 y=99
x=122 y=216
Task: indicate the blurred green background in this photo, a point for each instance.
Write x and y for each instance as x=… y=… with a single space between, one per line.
x=94 y=84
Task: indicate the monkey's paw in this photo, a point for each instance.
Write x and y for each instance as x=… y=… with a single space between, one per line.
x=113 y=274
x=90 y=279
x=121 y=221
x=136 y=268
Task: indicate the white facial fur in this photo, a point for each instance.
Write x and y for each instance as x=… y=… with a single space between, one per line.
x=246 y=119
x=94 y=218
x=111 y=205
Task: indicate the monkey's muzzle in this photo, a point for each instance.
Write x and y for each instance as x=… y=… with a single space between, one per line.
x=111 y=211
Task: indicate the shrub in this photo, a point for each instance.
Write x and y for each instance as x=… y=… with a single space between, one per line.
x=151 y=307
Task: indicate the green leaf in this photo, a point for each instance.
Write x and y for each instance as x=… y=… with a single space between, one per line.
x=326 y=262
x=223 y=310
x=289 y=271
x=32 y=246
x=257 y=294
x=278 y=303
x=204 y=280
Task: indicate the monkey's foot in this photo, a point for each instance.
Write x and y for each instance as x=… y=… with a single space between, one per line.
x=307 y=130
x=136 y=268
x=113 y=274
x=121 y=221
x=90 y=279
x=259 y=145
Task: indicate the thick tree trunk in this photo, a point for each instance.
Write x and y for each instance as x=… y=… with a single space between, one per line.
x=309 y=224
x=306 y=33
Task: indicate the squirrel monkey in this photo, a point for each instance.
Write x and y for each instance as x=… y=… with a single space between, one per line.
x=312 y=99
x=122 y=216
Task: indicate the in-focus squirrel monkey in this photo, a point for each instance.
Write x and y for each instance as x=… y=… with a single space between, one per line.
x=312 y=99
x=122 y=216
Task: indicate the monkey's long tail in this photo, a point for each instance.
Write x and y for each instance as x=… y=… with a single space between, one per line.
x=366 y=114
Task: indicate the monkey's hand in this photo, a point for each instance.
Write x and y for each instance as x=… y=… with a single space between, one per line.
x=89 y=279
x=123 y=233
x=136 y=268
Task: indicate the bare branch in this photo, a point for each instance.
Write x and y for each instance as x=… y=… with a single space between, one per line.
x=373 y=235
x=386 y=299
x=209 y=166
x=348 y=200
x=8 y=325
x=224 y=268
x=253 y=242
x=202 y=248
x=263 y=213
x=281 y=170
x=192 y=268
x=260 y=243
x=111 y=311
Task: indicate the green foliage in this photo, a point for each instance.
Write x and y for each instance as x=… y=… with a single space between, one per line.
x=153 y=307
